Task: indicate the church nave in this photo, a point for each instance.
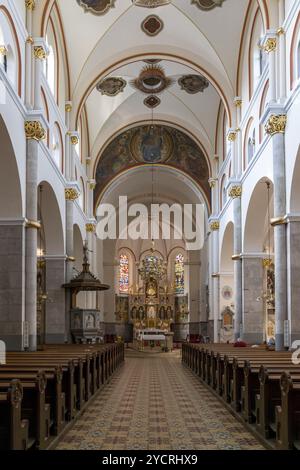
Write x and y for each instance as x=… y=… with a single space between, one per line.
x=154 y=403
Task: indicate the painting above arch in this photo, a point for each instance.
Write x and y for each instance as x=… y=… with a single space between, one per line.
x=152 y=144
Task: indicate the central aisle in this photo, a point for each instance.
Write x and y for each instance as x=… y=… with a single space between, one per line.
x=154 y=403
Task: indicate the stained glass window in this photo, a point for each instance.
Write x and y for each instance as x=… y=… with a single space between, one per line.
x=124 y=274
x=179 y=274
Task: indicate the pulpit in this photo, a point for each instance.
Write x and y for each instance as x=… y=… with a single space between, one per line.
x=86 y=324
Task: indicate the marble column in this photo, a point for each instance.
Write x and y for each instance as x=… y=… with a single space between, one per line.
x=235 y=193
x=239 y=143
x=275 y=127
x=74 y=139
x=55 y=305
x=34 y=134
x=12 y=283
x=253 y=306
x=28 y=55
x=68 y=109
x=293 y=281
x=282 y=52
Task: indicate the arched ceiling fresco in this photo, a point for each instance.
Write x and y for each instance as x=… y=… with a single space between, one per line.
x=152 y=144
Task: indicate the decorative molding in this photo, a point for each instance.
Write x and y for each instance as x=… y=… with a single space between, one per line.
x=276 y=124
x=278 y=221
x=97 y=7
x=33 y=224
x=152 y=25
x=151 y=3
x=34 y=130
x=212 y=182
x=236 y=257
x=152 y=80
x=92 y=184
x=152 y=101
x=235 y=192
x=71 y=194
x=193 y=84
x=207 y=5
x=111 y=86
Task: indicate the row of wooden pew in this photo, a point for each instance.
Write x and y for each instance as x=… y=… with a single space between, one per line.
x=261 y=386
x=41 y=392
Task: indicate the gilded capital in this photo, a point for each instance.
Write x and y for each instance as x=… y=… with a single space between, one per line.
x=34 y=130
x=71 y=194
x=68 y=107
x=235 y=192
x=39 y=52
x=270 y=45
x=212 y=182
x=276 y=124
x=267 y=263
x=238 y=102
x=3 y=50
x=215 y=226
x=92 y=185
x=90 y=228
x=232 y=136
x=74 y=139
x=30 y=4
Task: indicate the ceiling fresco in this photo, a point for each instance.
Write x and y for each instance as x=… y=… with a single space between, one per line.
x=152 y=144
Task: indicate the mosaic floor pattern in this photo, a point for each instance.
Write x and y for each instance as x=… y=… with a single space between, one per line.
x=154 y=403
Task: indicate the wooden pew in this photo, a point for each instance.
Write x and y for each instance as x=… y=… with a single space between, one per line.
x=14 y=431
x=288 y=413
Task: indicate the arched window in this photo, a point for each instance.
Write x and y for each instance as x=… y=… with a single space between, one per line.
x=179 y=274
x=50 y=64
x=124 y=274
x=8 y=50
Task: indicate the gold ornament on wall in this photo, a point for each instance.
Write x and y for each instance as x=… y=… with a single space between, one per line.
x=34 y=130
x=39 y=52
x=68 y=107
x=71 y=194
x=215 y=226
x=90 y=228
x=235 y=192
x=270 y=45
x=74 y=139
x=3 y=50
x=276 y=124
x=232 y=136
x=30 y=4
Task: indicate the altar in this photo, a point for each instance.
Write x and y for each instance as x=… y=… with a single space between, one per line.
x=153 y=339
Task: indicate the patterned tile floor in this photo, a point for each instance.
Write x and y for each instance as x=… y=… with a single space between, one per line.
x=154 y=403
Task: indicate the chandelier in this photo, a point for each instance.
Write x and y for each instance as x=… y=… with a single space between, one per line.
x=152 y=267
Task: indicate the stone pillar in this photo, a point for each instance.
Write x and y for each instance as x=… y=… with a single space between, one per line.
x=91 y=233
x=239 y=146
x=40 y=54
x=214 y=227
x=232 y=136
x=275 y=127
x=235 y=193
x=293 y=281
x=253 y=309
x=12 y=283
x=55 y=305
x=34 y=133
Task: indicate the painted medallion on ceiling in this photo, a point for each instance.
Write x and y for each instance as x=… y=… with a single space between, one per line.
x=152 y=144
x=193 y=84
x=98 y=7
x=151 y=3
x=111 y=86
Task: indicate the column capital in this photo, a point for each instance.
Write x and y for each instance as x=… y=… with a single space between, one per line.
x=91 y=227
x=238 y=101
x=92 y=184
x=212 y=182
x=232 y=135
x=40 y=49
x=214 y=226
x=30 y=4
x=68 y=106
x=3 y=50
x=34 y=130
x=74 y=137
x=276 y=124
x=71 y=194
x=269 y=42
x=235 y=190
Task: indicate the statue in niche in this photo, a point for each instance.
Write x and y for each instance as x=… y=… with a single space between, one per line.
x=151 y=289
x=77 y=322
x=133 y=313
x=141 y=313
x=169 y=313
x=90 y=322
x=162 y=313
